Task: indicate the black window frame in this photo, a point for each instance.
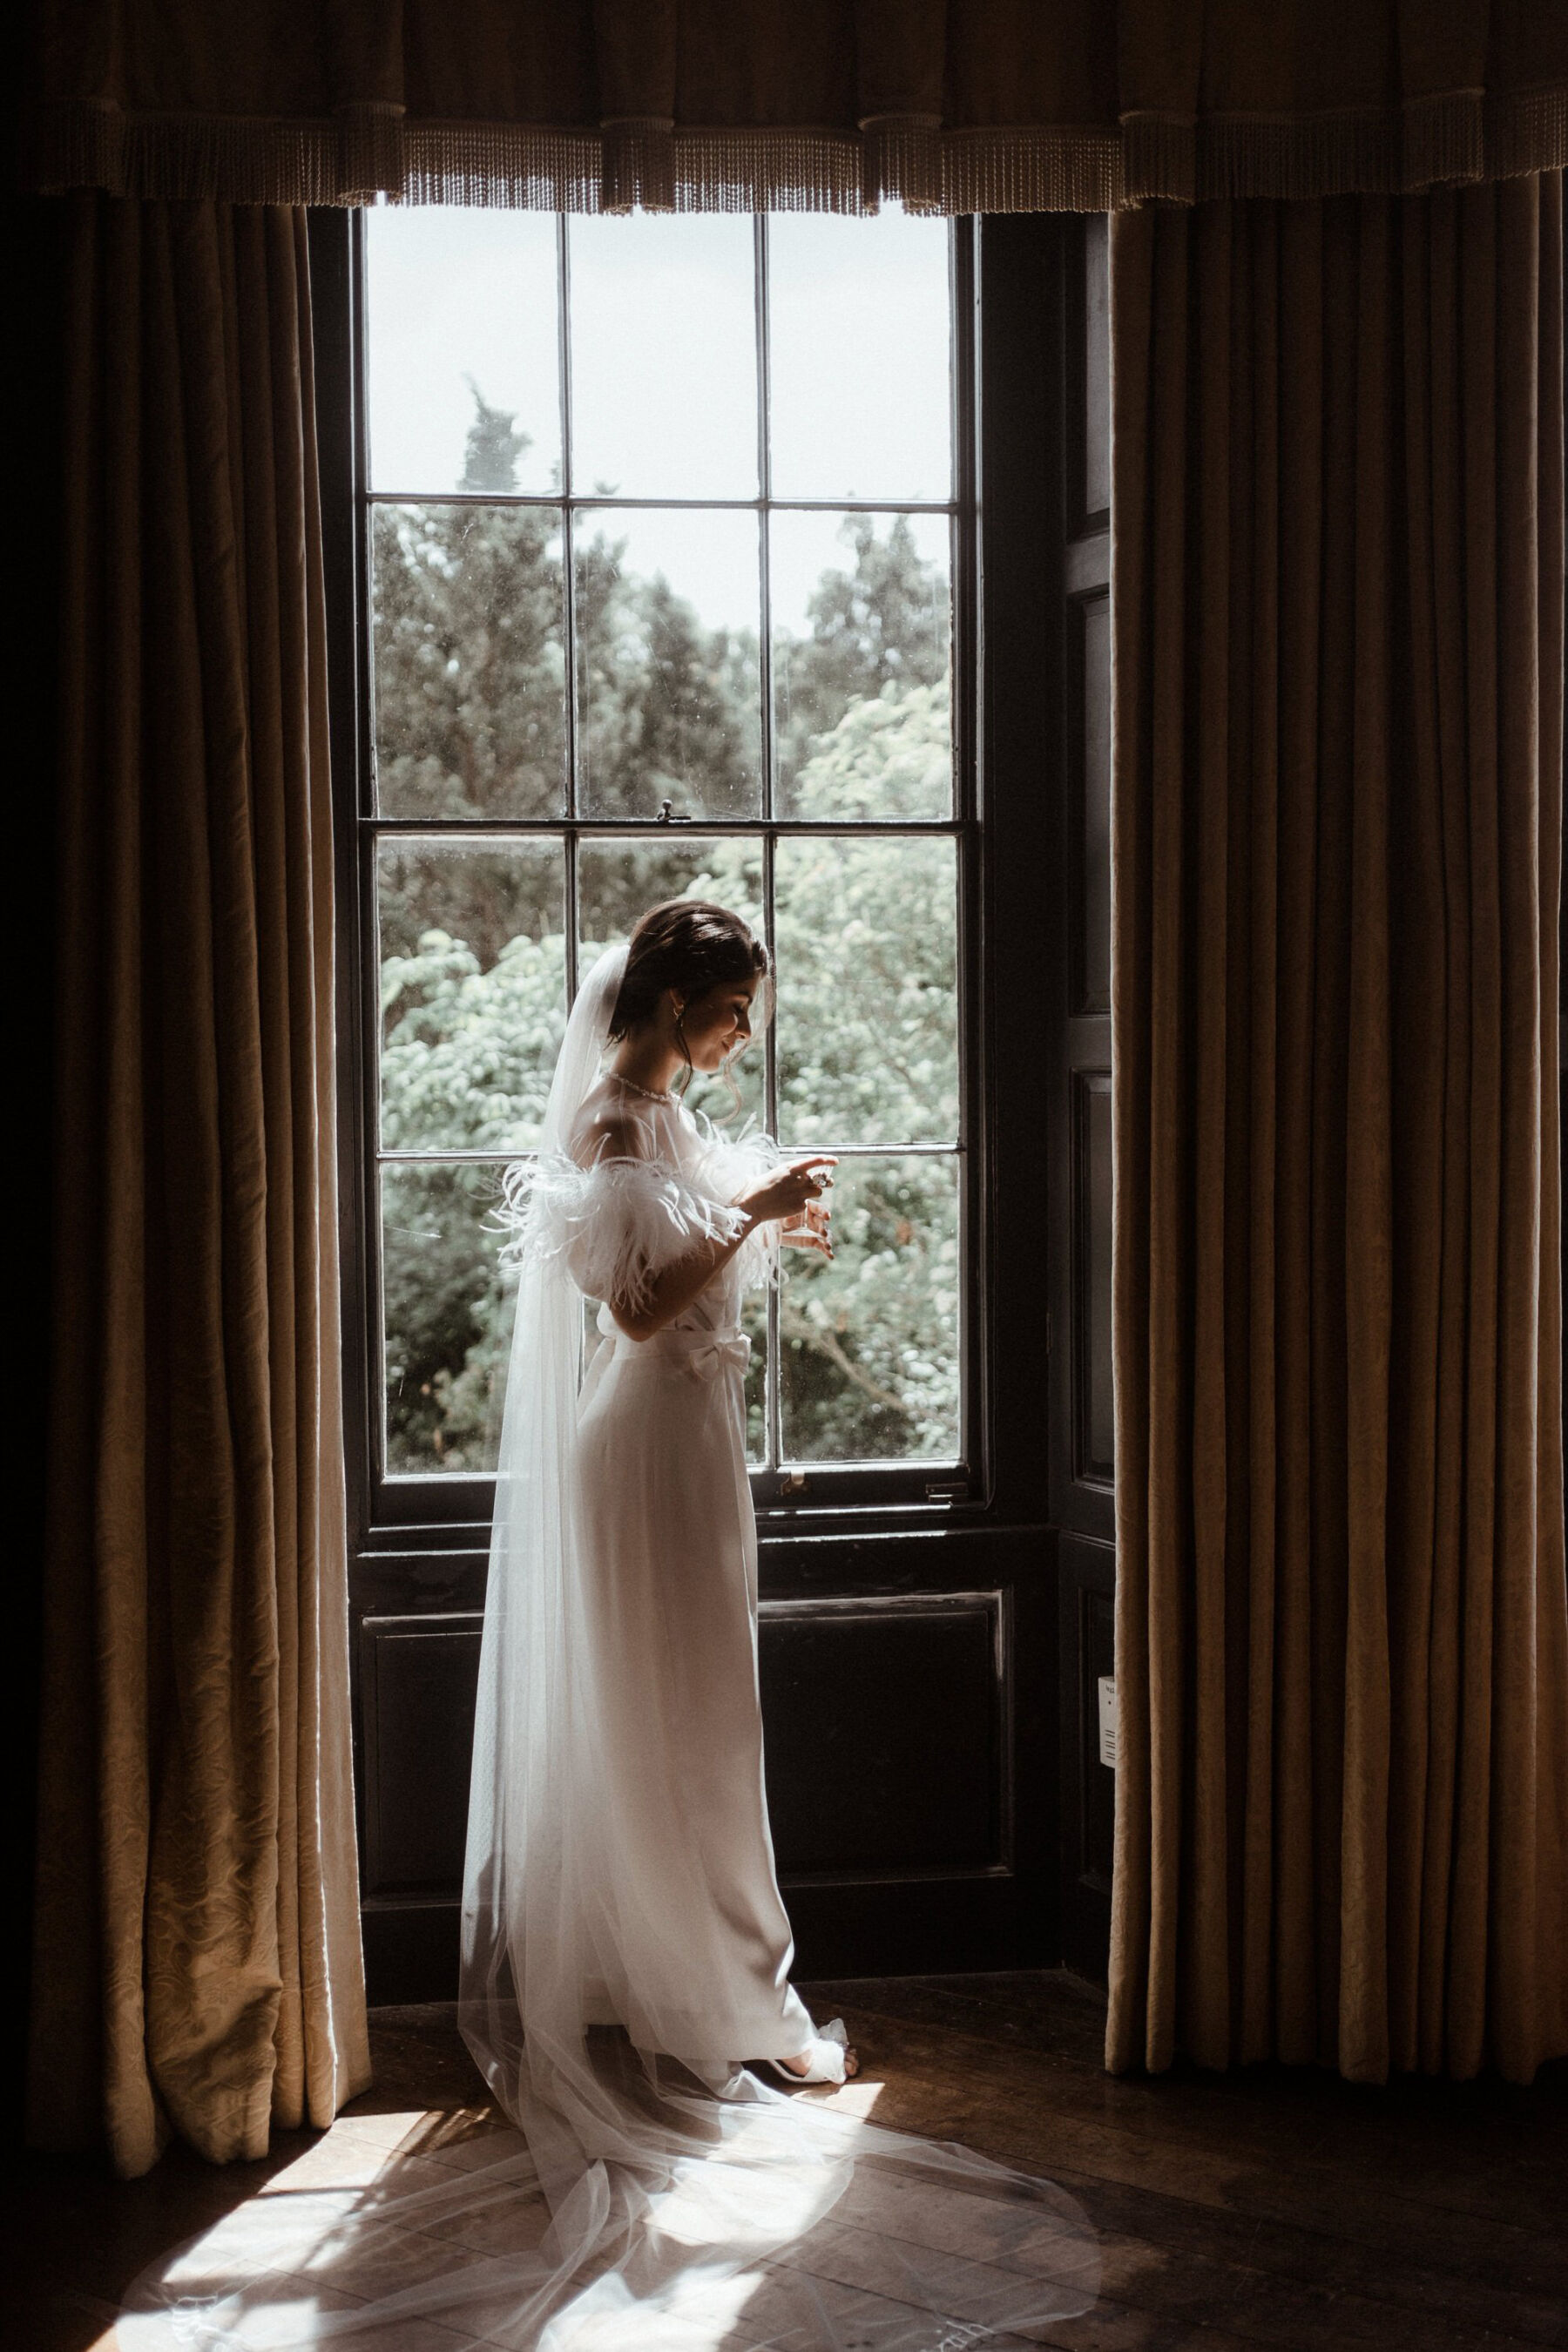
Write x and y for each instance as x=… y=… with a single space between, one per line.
x=387 y=1506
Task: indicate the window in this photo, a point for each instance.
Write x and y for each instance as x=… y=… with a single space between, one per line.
x=668 y=525
x=548 y=518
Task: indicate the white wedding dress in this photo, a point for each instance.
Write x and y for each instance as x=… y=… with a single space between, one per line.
x=625 y=1945
x=692 y=1942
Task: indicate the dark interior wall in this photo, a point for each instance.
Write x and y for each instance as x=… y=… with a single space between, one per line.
x=35 y=249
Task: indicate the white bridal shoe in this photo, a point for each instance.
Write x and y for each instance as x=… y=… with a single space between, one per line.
x=826 y=2050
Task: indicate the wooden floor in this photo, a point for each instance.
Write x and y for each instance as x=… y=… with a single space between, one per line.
x=1269 y=2206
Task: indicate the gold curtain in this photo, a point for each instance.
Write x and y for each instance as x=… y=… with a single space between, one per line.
x=197 y=1933
x=953 y=106
x=1341 y=1648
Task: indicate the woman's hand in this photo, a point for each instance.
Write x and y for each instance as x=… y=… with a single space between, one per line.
x=794 y=1198
x=810 y=1229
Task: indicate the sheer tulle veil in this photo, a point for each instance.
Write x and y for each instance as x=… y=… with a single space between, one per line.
x=640 y=2202
x=529 y=1728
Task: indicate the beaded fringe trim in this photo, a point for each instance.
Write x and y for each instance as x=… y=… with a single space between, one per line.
x=366 y=151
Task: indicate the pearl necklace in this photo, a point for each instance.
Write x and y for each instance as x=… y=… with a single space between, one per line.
x=646 y=1092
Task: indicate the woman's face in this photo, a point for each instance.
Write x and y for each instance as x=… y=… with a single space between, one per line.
x=719 y=1022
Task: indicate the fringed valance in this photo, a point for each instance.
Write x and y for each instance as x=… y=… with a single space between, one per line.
x=950 y=106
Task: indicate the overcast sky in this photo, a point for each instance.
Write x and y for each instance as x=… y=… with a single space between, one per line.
x=664 y=373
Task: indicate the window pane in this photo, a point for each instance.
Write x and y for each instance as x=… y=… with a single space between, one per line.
x=448 y=1308
x=664 y=368
x=868 y=1017
x=618 y=881
x=463 y=368
x=473 y=992
x=470 y=662
x=861 y=618
x=754 y=1324
x=669 y=685
x=858 y=357
x=870 y=1338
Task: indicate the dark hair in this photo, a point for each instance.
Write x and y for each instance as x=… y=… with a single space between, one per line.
x=692 y=945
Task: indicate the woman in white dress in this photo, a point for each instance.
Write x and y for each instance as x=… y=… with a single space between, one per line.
x=625 y=1945
x=691 y=1945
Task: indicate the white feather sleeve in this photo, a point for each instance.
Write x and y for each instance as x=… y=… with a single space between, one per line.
x=615 y=1225
x=730 y=1165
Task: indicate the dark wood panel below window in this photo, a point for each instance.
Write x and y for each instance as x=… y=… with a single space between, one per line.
x=865 y=1780
x=861 y=1783
x=418 y=1680
x=895 y=1723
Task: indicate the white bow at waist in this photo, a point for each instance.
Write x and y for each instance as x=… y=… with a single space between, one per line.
x=709 y=1351
x=706 y=1352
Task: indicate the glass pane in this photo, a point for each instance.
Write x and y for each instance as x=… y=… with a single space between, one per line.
x=754 y=1324
x=470 y=662
x=663 y=357
x=859 y=330
x=868 y=1338
x=473 y=992
x=448 y=1307
x=861 y=616
x=617 y=881
x=868 y=1017
x=669 y=683
x=464 y=373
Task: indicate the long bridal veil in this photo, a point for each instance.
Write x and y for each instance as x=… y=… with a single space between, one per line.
x=641 y=2201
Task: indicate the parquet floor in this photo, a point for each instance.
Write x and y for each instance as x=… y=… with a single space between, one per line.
x=1269 y=2206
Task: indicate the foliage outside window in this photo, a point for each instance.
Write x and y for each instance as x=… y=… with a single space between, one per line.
x=660 y=523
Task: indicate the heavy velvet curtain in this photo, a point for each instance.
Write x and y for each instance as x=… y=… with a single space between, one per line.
x=1342 y=1646
x=950 y=105
x=198 y=1938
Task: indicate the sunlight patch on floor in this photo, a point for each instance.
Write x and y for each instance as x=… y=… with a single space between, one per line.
x=856 y=2098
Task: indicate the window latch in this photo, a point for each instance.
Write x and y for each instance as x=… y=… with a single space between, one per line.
x=792 y=1482
x=667 y=814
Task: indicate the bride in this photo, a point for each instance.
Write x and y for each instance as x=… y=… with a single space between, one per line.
x=625 y=1951
x=626 y=1948
x=665 y=1899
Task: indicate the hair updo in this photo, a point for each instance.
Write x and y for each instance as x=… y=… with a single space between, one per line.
x=693 y=946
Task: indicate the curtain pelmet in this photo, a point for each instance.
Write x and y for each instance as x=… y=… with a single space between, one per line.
x=1342 y=1629
x=836 y=105
x=197 y=1930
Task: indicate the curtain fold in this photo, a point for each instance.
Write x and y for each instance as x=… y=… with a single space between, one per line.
x=1341 y=1628
x=197 y=1936
x=990 y=106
